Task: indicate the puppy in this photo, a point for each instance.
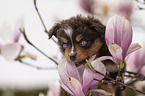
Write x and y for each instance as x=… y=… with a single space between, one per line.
x=80 y=38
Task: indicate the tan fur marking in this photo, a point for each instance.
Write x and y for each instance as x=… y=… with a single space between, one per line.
x=66 y=53
x=64 y=40
x=79 y=37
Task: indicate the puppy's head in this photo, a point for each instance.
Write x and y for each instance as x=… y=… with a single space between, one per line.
x=79 y=37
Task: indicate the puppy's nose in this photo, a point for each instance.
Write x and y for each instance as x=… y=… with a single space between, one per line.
x=72 y=56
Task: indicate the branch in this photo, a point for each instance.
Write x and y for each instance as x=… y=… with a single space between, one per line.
x=105 y=76
x=129 y=72
x=24 y=34
x=132 y=75
x=41 y=19
x=117 y=82
x=131 y=87
x=137 y=79
x=40 y=68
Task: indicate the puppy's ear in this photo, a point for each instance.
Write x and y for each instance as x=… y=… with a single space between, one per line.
x=53 y=30
x=97 y=26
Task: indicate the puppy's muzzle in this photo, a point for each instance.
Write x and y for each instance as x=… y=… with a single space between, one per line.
x=72 y=56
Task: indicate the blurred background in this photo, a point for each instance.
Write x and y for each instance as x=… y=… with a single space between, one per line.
x=19 y=79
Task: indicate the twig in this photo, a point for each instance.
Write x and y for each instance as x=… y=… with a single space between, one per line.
x=137 y=79
x=117 y=82
x=129 y=72
x=131 y=87
x=40 y=68
x=41 y=19
x=24 y=34
x=105 y=81
x=105 y=75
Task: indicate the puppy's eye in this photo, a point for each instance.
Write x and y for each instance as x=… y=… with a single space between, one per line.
x=83 y=43
x=64 y=46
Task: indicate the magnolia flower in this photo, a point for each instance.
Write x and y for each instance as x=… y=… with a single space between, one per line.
x=10 y=48
x=136 y=60
x=78 y=82
x=118 y=38
x=87 y=5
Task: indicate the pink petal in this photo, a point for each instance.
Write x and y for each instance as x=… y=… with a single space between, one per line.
x=72 y=71
x=64 y=74
x=127 y=37
x=137 y=58
x=19 y=25
x=89 y=75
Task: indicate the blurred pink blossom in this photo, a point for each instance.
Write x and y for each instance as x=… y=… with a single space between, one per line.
x=104 y=9
x=10 y=48
x=126 y=8
x=87 y=5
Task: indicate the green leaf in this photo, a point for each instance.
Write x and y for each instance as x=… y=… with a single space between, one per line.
x=89 y=93
x=121 y=65
x=89 y=65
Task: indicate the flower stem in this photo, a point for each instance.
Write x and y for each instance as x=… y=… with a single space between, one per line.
x=24 y=34
x=40 y=68
x=41 y=19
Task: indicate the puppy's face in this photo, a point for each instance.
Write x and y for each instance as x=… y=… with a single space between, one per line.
x=79 y=38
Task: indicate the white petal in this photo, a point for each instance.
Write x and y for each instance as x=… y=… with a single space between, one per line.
x=115 y=50
x=41 y=94
x=99 y=66
x=92 y=58
x=72 y=70
x=133 y=48
x=101 y=92
x=6 y=34
x=105 y=58
x=75 y=86
x=88 y=81
x=64 y=87
x=11 y=52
